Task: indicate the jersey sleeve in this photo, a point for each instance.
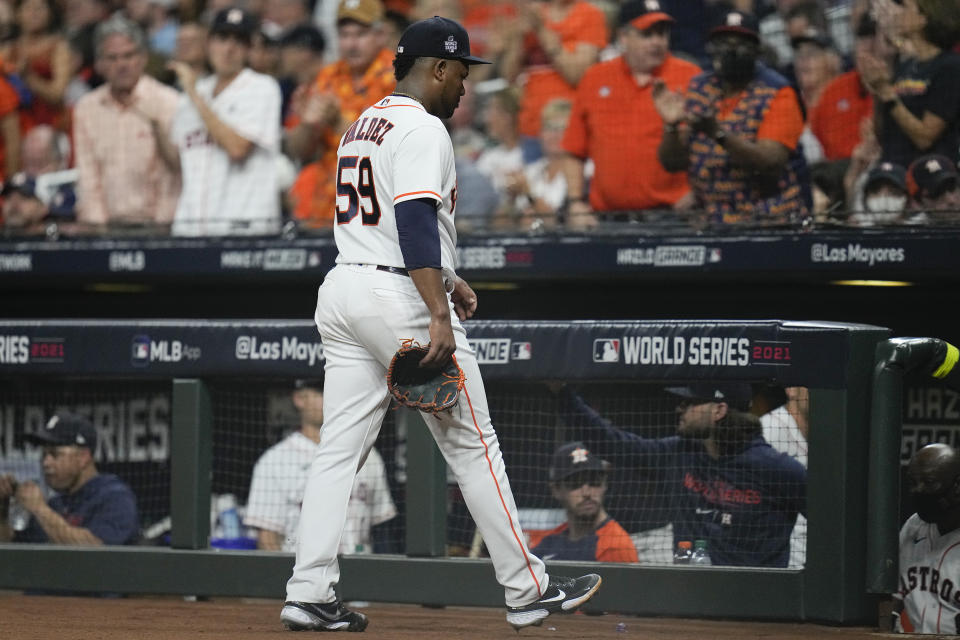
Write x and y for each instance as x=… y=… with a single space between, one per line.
x=419 y=162
x=614 y=544
x=258 y=118
x=265 y=507
x=783 y=121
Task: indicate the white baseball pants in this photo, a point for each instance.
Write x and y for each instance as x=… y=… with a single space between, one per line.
x=363 y=316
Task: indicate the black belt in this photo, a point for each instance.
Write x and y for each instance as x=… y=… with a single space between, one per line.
x=395 y=270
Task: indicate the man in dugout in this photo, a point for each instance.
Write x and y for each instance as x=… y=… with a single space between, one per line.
x=722 y=481
x=578 y=480
x=89 y=508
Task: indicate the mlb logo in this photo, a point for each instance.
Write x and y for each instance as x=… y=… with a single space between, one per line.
x=140 y=351
x=521 y=351
x=606 y=350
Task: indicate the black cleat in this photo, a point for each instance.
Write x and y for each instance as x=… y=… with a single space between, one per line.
x=313 y=616
x=562 y=594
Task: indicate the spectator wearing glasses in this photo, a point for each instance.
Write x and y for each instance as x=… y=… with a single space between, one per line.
x=578 y=480
x=118 y=129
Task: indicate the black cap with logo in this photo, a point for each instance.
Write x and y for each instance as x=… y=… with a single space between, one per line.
x=735 y=394
x=66 y=429
x=437 y=37
x=572 y=458
x=234 y=21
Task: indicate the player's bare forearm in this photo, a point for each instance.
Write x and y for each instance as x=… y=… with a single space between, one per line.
x=269 y=540
x=464 y=299
x=429 y=283
x=62 y=532
x=673 y=152
x=236 y=146
x=765 y=156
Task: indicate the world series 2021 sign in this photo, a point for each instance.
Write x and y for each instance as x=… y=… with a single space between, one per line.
x=792 y=353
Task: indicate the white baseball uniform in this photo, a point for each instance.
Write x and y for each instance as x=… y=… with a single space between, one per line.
x=929 y=579
x=220 y=196
x=783 y=433
x=276 y=493
x=394 y=152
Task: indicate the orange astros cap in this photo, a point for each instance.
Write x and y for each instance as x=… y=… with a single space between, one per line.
x=365 y=12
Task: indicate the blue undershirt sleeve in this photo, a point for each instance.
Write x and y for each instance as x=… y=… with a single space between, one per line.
x=419 y=233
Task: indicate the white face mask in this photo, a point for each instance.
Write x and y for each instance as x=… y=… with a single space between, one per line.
x=887 y=207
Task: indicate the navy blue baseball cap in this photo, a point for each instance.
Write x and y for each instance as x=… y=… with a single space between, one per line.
x=572 y=458
x=66 y=429
x=437 y=37
x=738 y=22
x=735 y=394
x=234 y=21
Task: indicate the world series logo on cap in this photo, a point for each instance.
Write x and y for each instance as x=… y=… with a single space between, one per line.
x=450 y=45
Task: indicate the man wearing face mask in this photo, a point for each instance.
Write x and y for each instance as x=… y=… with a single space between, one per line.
x=929 y=597
x=737 y=133
x=884 y=196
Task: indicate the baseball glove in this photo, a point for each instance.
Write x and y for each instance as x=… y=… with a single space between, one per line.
x=430 y=389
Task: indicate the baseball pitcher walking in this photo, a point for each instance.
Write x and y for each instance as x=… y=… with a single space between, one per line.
x=395 y=281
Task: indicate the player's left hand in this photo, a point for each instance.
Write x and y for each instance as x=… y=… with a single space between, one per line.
x=706 y=124
x=464 y=299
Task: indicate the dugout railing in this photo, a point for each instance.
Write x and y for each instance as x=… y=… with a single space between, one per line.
x=834 y=361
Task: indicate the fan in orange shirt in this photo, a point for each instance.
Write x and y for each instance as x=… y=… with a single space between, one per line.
x=614 y=103
x=9 y=129
x=578 y=480
x=556 y=43
x=322 y=112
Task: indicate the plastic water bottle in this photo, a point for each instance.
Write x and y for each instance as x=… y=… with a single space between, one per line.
x=230 y=521
x=17 y=517
x=683 y=553
x=700 y=555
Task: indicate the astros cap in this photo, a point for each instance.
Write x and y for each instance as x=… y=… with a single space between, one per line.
x=573 y=458
x=365 y=12
x=931 y=175
x=887 y=172
x=234 y=21
x=437 y=37
x=738 y=22
x=642 y=14
x=65 y=429
x=737 y=395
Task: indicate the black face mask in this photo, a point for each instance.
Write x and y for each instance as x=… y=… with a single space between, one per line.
x=931 y=506
x=735 y=65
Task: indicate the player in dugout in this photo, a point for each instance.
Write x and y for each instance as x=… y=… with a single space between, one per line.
x=928 y=600
x=578 y=480
x=89 y=508
x=725 y=483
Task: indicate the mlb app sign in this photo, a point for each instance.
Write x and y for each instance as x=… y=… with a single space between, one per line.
x=606 y=350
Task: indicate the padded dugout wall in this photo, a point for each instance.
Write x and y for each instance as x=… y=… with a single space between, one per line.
x=834 y=360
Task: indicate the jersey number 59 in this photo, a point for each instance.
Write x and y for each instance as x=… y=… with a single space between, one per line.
x=355 y=183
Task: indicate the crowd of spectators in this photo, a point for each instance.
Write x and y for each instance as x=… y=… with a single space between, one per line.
x=222 y=117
